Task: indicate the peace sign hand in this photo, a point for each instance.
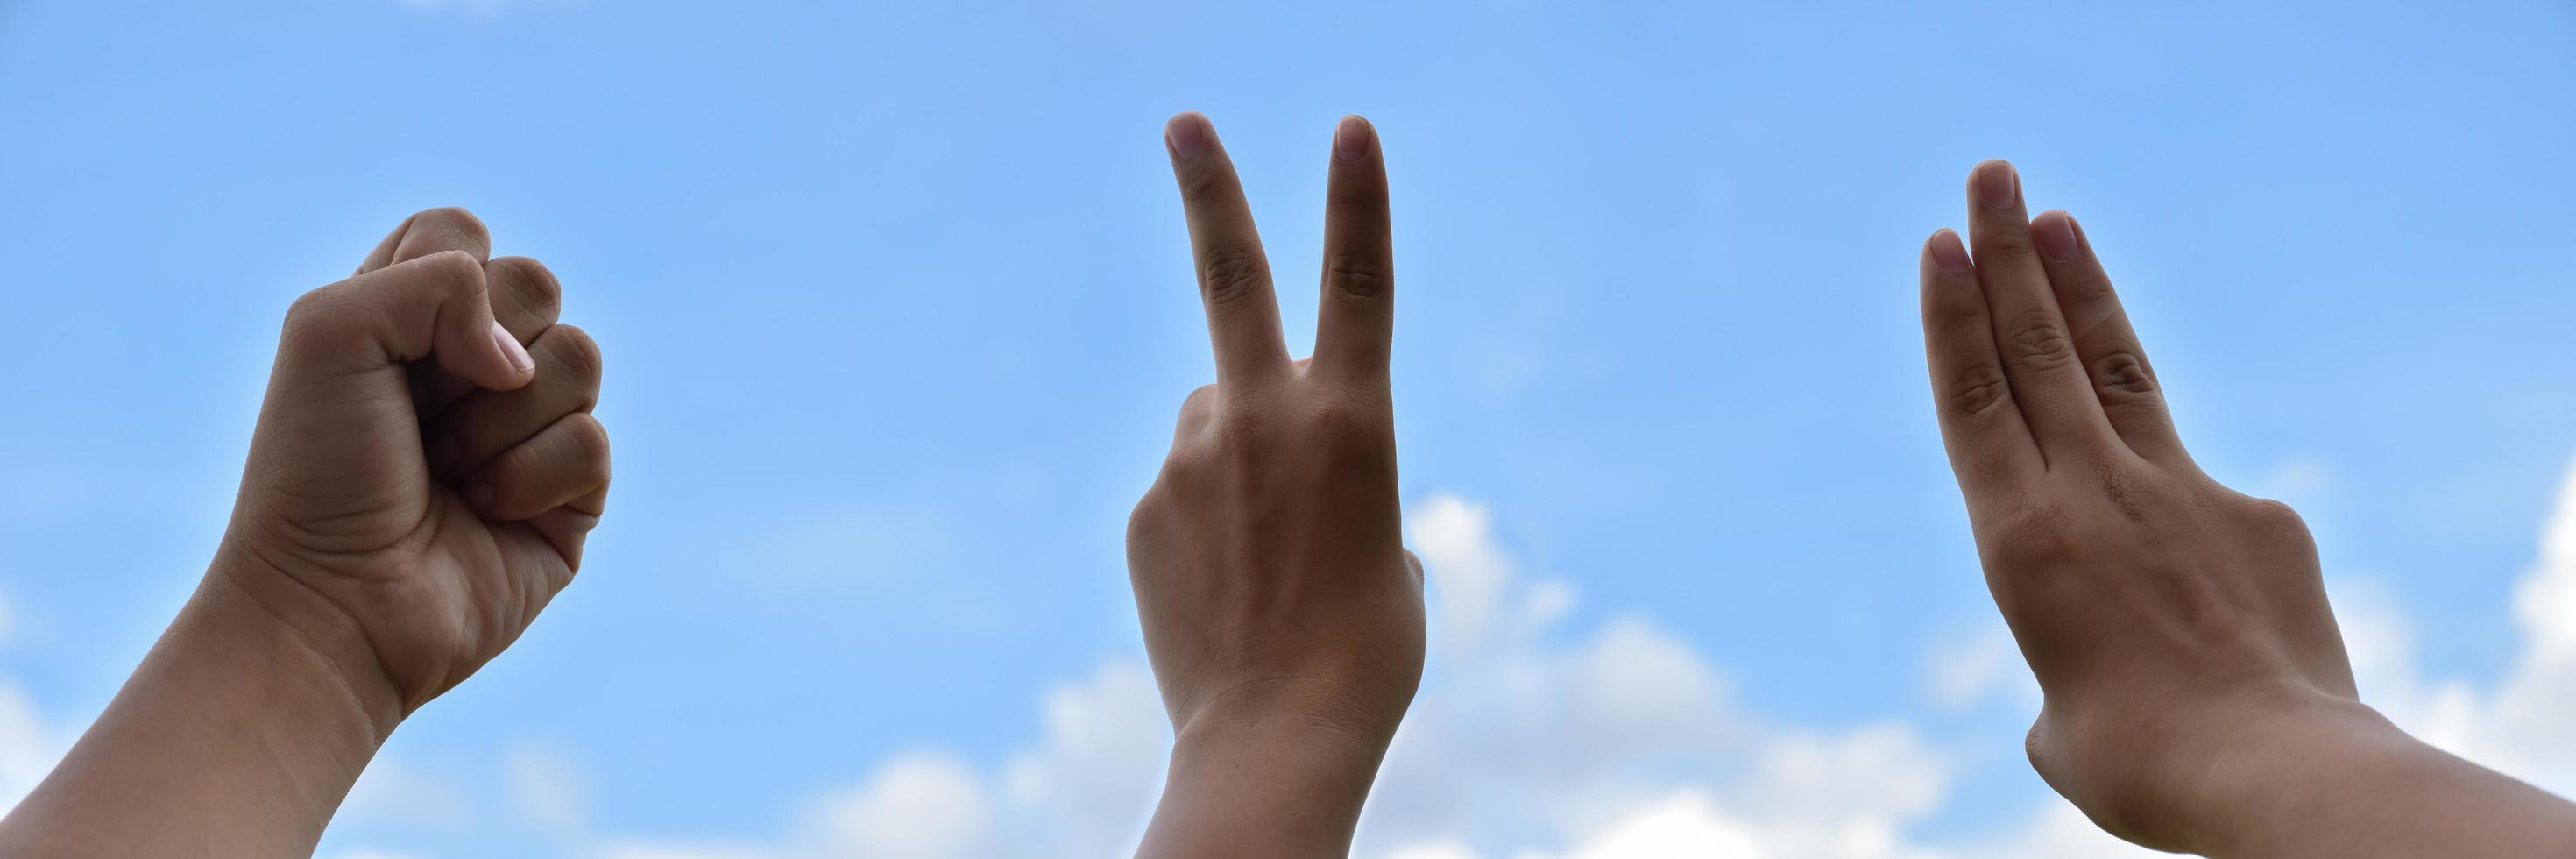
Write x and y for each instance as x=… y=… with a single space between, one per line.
x=1282 y=614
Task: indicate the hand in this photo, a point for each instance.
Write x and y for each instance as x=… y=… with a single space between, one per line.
x=419 y=485
x=1283 y=616
x=425 y=467
x=2197 y=693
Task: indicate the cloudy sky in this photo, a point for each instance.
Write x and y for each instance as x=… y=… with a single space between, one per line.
x=897 y=309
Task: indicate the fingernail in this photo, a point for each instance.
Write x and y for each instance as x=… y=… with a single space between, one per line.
x=479 y=498
x=1998 y=186
x=1351 y=139
x=1187 y=134
x=511 y=351
x=1948 y=252
x=2056 y=234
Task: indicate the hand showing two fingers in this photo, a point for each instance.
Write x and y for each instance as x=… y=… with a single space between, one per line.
x=1282 y=614
x=426 y=467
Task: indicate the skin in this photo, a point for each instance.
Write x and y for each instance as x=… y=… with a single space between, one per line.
x=1282 y=614
x=2198 y=698
x=424 y=472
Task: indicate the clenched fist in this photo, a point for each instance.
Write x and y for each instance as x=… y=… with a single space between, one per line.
x=426 y=465
x=1282 y=613
x=422 y=477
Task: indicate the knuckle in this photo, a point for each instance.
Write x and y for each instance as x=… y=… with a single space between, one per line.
x=2039 y=344
x=1204 y=184
x=2272 y=517
x=452 y=272
x=456 y=220
x=1241 y=431
x=1190 y=475
x=1230 y=272
x=315 y=308
x=2008 y=242
x=1352 y=428
x=2123 y=374
x=1140 y=517
x=1199 y=403
x=2085 y=290
x=322 y=319
x=2032 y=537
x=1358 y=277
x=1978 y=390
x=579 y=355
x=1355 y=198
x=1343 y=417
x=1951 y=307
x=533 y=285
x=590 y=442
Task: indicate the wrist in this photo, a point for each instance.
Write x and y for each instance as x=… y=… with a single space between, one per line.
x=2342 y=781
x=1302 y=741
x=245 y=600
x=1313 y=710
x=1266 y=772
x=2268 y=764
x=2173 y=771
x=235 y=731
x=2206 y=775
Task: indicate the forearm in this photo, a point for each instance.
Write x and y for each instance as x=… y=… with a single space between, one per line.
x=2349 y=785
x=236 y=737
x=1262 y=790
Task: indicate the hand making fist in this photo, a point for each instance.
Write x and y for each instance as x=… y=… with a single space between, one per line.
x=425 y=466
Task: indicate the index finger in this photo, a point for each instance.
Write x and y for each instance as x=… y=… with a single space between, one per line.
x=447 y=228
x=1234 y=275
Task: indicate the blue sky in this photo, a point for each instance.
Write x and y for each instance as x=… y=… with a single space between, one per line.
x=897 y=309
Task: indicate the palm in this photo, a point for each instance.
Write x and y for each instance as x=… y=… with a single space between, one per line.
x=439 y=612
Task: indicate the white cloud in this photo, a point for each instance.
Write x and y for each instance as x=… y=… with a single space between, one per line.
x=547 y=789
x=1092 y=781
x=28 y=748
x=1688 y=823
x=1468 y=571
x=919 y=805
x=1084 y=789
x=2545 y=601
x=1534 y=739
x=2517 y=726
x=1622 y=741
x=2059 y=831
x=393 y=791
x=1962 y=672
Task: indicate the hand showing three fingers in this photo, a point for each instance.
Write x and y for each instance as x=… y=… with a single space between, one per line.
x=2197 y=693
x=425 y=467
x=1283 y=616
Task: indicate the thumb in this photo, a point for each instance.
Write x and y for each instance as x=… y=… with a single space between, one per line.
x=433 y=306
